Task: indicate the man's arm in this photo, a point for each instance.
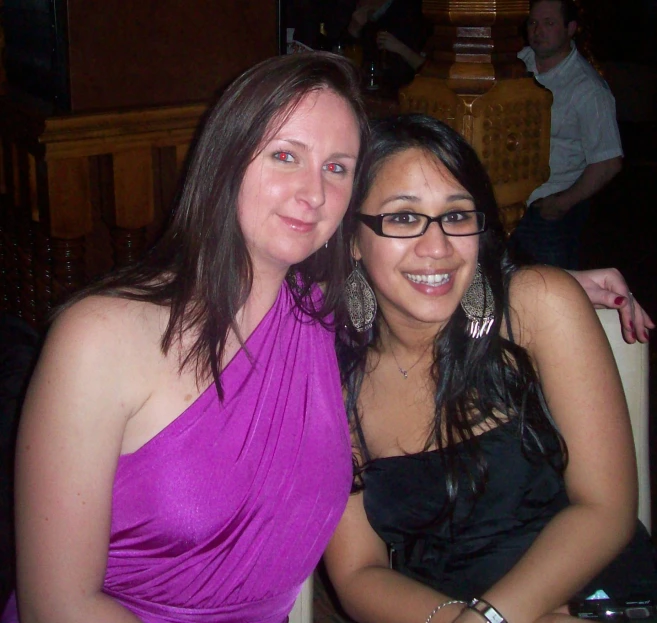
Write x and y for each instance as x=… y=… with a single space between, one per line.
x=387 y=41
x=593 y=179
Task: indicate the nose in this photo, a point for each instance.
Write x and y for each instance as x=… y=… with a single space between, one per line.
x=311 y=189
x=434 y=243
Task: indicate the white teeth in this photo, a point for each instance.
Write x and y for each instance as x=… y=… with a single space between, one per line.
x=432 y=280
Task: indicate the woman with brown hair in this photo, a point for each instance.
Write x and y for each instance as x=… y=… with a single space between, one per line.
x=183 y=453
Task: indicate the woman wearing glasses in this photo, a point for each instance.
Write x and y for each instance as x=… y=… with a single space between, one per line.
x=496 y=472
x=183 y=453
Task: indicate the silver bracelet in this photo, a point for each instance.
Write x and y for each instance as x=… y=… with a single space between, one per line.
x=486 y=610
x=443 y=605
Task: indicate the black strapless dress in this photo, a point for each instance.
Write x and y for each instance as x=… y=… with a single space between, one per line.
x=462 y=556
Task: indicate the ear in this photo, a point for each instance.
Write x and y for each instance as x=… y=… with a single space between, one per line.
x=572 y=28
x=355 y=250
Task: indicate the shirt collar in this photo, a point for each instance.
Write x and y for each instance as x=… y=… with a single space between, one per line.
x=529 y=57
x=557 y=69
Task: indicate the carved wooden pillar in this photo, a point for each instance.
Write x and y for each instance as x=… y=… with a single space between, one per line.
x=43 y=272
x=133 y=203
x=70 y=221
x=42 y=248
x=24 y=208
x=12 y=271
x=474 y=81
x=64 y=178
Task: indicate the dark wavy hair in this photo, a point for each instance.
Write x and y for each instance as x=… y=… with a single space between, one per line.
x=490 y=378
x=201 y=267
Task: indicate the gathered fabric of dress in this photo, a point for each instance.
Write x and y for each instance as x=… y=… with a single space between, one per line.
x=462 y=550
x=224 y=514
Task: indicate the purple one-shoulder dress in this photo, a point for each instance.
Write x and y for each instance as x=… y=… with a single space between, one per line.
x=222 y=515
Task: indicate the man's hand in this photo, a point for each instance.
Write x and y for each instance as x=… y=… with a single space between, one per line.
x=593 y=179
x=362 y=15
x=552 y=207
x=386 y=41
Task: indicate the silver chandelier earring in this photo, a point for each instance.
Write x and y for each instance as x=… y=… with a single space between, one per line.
x=360 y=300
x=478 y=305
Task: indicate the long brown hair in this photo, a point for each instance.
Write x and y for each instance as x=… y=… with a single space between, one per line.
x=201 y=267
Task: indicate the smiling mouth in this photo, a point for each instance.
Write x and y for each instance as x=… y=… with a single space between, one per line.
x=429 y=280
x=297 y=225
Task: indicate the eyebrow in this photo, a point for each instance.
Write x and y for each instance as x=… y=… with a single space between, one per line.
x=302 y=145
x=415 y=199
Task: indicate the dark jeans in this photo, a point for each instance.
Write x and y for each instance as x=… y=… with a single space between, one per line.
x=537 y=240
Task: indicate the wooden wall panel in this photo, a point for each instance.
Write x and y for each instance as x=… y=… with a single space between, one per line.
x=158 y=52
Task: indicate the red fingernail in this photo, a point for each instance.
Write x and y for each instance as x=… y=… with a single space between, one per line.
x=632 y=328
x=619 y=300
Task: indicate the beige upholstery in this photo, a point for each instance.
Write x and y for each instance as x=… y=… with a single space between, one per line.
x=632 y=362
x=303 y=606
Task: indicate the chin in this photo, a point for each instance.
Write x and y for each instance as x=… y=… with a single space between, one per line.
x=428 y=315
x=290 y=257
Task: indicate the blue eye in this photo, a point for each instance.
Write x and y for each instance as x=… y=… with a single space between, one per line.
x=283 y=156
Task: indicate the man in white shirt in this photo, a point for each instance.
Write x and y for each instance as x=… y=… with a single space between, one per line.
x=585 y=145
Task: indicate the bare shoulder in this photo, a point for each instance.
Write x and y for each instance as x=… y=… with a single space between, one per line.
x=108 y=323
x=104 y=340
x=544 y=298
x=544 y=284
x=97 y=370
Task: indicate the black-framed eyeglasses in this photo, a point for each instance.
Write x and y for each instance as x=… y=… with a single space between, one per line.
x=414 y=225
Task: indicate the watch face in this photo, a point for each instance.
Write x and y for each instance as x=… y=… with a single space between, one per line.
x=487 y=611
x=493 y=615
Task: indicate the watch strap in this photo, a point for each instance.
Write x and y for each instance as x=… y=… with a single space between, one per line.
x=486 y=610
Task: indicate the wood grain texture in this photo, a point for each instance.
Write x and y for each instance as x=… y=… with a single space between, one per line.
x=154 y=52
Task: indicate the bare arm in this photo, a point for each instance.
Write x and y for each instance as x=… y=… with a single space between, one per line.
x=576 y=368
x=357 y=563
x=387 y=41
x=581 y=384
x=359 y=18
x=593 y=179
x=606 y=287
x=68 y=445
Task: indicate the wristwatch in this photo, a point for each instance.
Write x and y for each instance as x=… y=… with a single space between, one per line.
x=486 y=610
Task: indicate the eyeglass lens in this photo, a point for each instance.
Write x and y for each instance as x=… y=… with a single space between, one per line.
x=453 y=224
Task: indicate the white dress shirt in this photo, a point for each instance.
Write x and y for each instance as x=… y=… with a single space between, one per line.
x=583 y=127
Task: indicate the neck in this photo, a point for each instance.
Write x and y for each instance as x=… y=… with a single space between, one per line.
x=260 y=300
x=407 y=356
x=407 y=342
x=547 y=63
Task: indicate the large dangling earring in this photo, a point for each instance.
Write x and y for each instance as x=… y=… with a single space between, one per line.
x=478 y=305
x=360 y=300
